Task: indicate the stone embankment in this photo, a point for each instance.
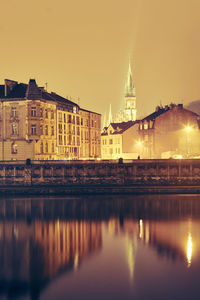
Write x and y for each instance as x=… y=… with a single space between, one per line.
x=66 y=177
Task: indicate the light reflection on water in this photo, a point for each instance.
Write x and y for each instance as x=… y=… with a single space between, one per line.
x=102 y=247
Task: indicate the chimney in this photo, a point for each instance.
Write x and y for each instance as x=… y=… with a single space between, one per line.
x=33 y=92
x=9 y=85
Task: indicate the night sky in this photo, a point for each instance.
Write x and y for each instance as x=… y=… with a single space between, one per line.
x=82 y=48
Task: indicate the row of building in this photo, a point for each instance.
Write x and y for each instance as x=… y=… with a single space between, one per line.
x=169 y=132
x=39 y=125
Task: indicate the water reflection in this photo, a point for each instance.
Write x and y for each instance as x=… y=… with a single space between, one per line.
x=40 y=239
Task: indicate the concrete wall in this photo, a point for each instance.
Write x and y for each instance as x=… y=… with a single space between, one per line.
x=137 y=172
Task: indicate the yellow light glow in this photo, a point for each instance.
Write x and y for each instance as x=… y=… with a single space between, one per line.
x=139 y=143
x=189 y=249
x=141 y=229
x=188 y=127
x=98 y=158
x=179 y=156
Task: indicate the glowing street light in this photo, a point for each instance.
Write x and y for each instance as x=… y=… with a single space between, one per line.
x=188 y=128
x=139 y=143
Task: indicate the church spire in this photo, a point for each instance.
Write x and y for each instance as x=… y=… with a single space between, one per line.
x=129 y=88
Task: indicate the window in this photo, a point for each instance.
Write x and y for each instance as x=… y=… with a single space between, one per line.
x=74 y=109
x=41 y=147
x=41 y=112
x=52 y=130
x=60 y=117
x=78 y=141
x=52 y=114
x=46 y=113
x=33 y=111
x=78 y=130
x=64 y=129
x=65 y=118
x=60 y=128
x=69 y=118
x=13 y=112
x=77 y=120
x=145 y=126
x=52 y=147
x=64 y=139
x=14 y=129
x=60 y=139
x=110 y=141
x=33 y=129
x=41 y=130
x=46 y=147
x=81 y=121
x=46 y=129
x=14 y=148
x=73 y=120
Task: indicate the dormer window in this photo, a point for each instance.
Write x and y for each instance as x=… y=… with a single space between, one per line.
x=145 y=126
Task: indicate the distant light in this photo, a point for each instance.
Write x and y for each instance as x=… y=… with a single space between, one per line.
x=98 y=158
x=139 y=143
x=189 y=249
x=188 y=127
x=179 y=156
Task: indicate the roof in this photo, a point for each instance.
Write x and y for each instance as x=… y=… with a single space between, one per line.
x=155 y=114
x=29 y=91
x=89 y=111
x=119 y=128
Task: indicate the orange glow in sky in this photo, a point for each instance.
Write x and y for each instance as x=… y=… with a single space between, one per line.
x=82 y=48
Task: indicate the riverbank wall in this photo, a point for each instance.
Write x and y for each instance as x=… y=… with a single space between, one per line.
x=79 y=177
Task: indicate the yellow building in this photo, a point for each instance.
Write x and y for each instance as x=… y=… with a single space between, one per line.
x=90 y=134
x=120 y=140
x=39 y=125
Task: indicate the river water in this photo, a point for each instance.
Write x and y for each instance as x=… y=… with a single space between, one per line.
x=100 y=247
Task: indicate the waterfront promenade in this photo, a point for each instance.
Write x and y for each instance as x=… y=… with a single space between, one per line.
x=77 y=177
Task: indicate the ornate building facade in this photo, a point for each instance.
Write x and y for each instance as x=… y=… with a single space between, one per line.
x=39 y=125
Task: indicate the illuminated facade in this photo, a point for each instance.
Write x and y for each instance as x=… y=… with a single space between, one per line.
x=43 y=126
x=172 y=131
x=119 y=140
x=90 y=134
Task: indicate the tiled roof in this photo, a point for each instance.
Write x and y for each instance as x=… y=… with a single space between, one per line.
x=155 y=114
x=119 y=128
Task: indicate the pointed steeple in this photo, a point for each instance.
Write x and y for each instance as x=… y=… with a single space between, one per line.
x=33 y=92
x=129 y=88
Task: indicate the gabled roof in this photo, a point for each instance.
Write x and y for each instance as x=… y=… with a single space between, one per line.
x=155 y=114
x=119 y=128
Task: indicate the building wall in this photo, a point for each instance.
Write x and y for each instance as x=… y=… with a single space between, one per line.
x=46 y=130
x=168 y=134
x=90 y=135
x=111 y=145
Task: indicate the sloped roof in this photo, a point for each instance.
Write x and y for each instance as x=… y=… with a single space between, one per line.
x=155 y=114
x=33 y=92
x=119 y=128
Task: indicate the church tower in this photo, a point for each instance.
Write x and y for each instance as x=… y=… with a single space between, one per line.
x=130 y=98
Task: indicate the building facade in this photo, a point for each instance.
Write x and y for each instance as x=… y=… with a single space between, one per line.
x=119 y=140
x=169 y=132
x=39 y=125
x=172 y=131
